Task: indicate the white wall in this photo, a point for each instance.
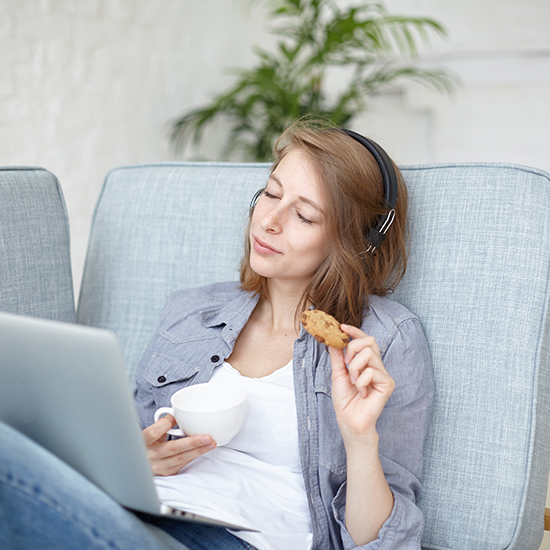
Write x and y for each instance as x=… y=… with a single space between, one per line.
x=88 y=85
x=501 y=111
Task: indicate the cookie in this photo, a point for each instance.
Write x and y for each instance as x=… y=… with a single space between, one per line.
x=324 y=328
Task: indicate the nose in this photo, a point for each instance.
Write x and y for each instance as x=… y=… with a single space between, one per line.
x=272 y=221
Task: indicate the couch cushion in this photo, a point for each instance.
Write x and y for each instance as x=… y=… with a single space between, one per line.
x=35 y=266
x=478 y=278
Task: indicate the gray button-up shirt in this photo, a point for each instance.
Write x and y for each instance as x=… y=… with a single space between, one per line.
x=197 y=332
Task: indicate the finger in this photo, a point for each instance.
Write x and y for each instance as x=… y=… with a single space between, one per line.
x=358 y=344
x=373 y=380
x=352 y=331
x=168 y=458
x=360 y=341
x=366 y=358
x=182 y=445
x=337 y=361
x=156 y=431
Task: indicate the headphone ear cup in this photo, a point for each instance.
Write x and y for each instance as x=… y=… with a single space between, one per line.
x=255 y=199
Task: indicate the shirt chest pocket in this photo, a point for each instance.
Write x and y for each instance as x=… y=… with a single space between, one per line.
x=163 y=370
x=175 y=363
x=167 y=375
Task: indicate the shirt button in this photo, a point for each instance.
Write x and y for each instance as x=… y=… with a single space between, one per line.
x=161 y=379
x=215 y=358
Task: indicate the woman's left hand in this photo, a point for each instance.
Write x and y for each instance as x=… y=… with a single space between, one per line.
x=361 y=389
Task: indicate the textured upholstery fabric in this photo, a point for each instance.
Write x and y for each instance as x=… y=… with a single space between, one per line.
x=35 y=266
x=478 y=278
x=158 y=228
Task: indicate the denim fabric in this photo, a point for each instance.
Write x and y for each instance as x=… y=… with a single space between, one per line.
x=201 y=537
x=197 y=332
x=35 y=265
x=46 y=504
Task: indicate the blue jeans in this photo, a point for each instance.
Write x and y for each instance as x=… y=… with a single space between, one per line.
x=44 y=503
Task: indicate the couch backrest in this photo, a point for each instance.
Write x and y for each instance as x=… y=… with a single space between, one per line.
x=35 y=263
x=158 y=228
x=478 y=278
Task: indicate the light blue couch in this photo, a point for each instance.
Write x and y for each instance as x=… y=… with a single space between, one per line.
x=478 y=279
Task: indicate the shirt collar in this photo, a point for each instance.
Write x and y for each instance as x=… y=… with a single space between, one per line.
x=234 y=312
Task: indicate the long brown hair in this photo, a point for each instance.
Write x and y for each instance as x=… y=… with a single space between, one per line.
x=353 y=188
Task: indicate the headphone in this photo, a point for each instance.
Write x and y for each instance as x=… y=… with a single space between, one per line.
x=375 y=235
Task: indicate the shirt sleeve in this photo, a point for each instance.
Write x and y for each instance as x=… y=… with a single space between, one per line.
x=143 y=393
x=403 y=427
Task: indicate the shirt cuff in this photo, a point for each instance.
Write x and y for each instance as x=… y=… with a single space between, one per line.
x=403 y=529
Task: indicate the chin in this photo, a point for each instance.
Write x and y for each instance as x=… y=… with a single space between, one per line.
x=262 y=272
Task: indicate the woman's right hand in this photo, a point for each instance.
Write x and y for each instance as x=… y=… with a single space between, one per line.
x=168 y=457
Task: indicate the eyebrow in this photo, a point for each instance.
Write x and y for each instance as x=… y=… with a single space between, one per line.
x=304 y=199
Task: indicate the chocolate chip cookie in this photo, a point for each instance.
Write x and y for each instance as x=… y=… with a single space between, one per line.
x=324 y=328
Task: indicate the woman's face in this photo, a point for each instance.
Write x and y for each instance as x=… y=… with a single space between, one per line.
x=287 y=231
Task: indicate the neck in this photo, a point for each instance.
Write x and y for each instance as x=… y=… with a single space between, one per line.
x=279 y=309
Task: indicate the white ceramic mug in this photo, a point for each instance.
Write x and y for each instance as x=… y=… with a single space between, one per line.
x=217 y=410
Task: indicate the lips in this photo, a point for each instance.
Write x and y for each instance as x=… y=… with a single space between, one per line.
x=262 y=247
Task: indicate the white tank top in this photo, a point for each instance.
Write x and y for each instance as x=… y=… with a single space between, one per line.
x=256 y=479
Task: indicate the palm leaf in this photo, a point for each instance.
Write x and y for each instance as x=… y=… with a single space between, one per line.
x=289 y=82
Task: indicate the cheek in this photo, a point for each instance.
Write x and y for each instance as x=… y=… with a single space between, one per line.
x=255 y=221
x=315 y=251
x=254 y=218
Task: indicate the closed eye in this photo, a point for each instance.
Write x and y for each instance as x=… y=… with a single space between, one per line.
x=304 y=220
x=269 y=195
x=300 y=217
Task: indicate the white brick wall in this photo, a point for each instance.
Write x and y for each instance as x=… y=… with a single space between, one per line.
x=87 y=85
x=501 y=111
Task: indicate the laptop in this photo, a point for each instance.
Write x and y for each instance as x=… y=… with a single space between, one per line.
x=65 y=386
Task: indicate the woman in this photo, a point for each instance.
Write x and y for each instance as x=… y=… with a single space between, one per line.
x=341 y=442
x=330 y=456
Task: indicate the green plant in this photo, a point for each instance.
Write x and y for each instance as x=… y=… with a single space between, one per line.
x=371 y=47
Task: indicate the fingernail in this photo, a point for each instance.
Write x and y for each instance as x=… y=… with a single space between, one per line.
x=206 y=439
x=352 y=379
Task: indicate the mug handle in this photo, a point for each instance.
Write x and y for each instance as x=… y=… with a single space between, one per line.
x=168 y=410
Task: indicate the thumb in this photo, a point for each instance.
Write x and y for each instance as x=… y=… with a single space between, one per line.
x=339 y=368
x=156 y=431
